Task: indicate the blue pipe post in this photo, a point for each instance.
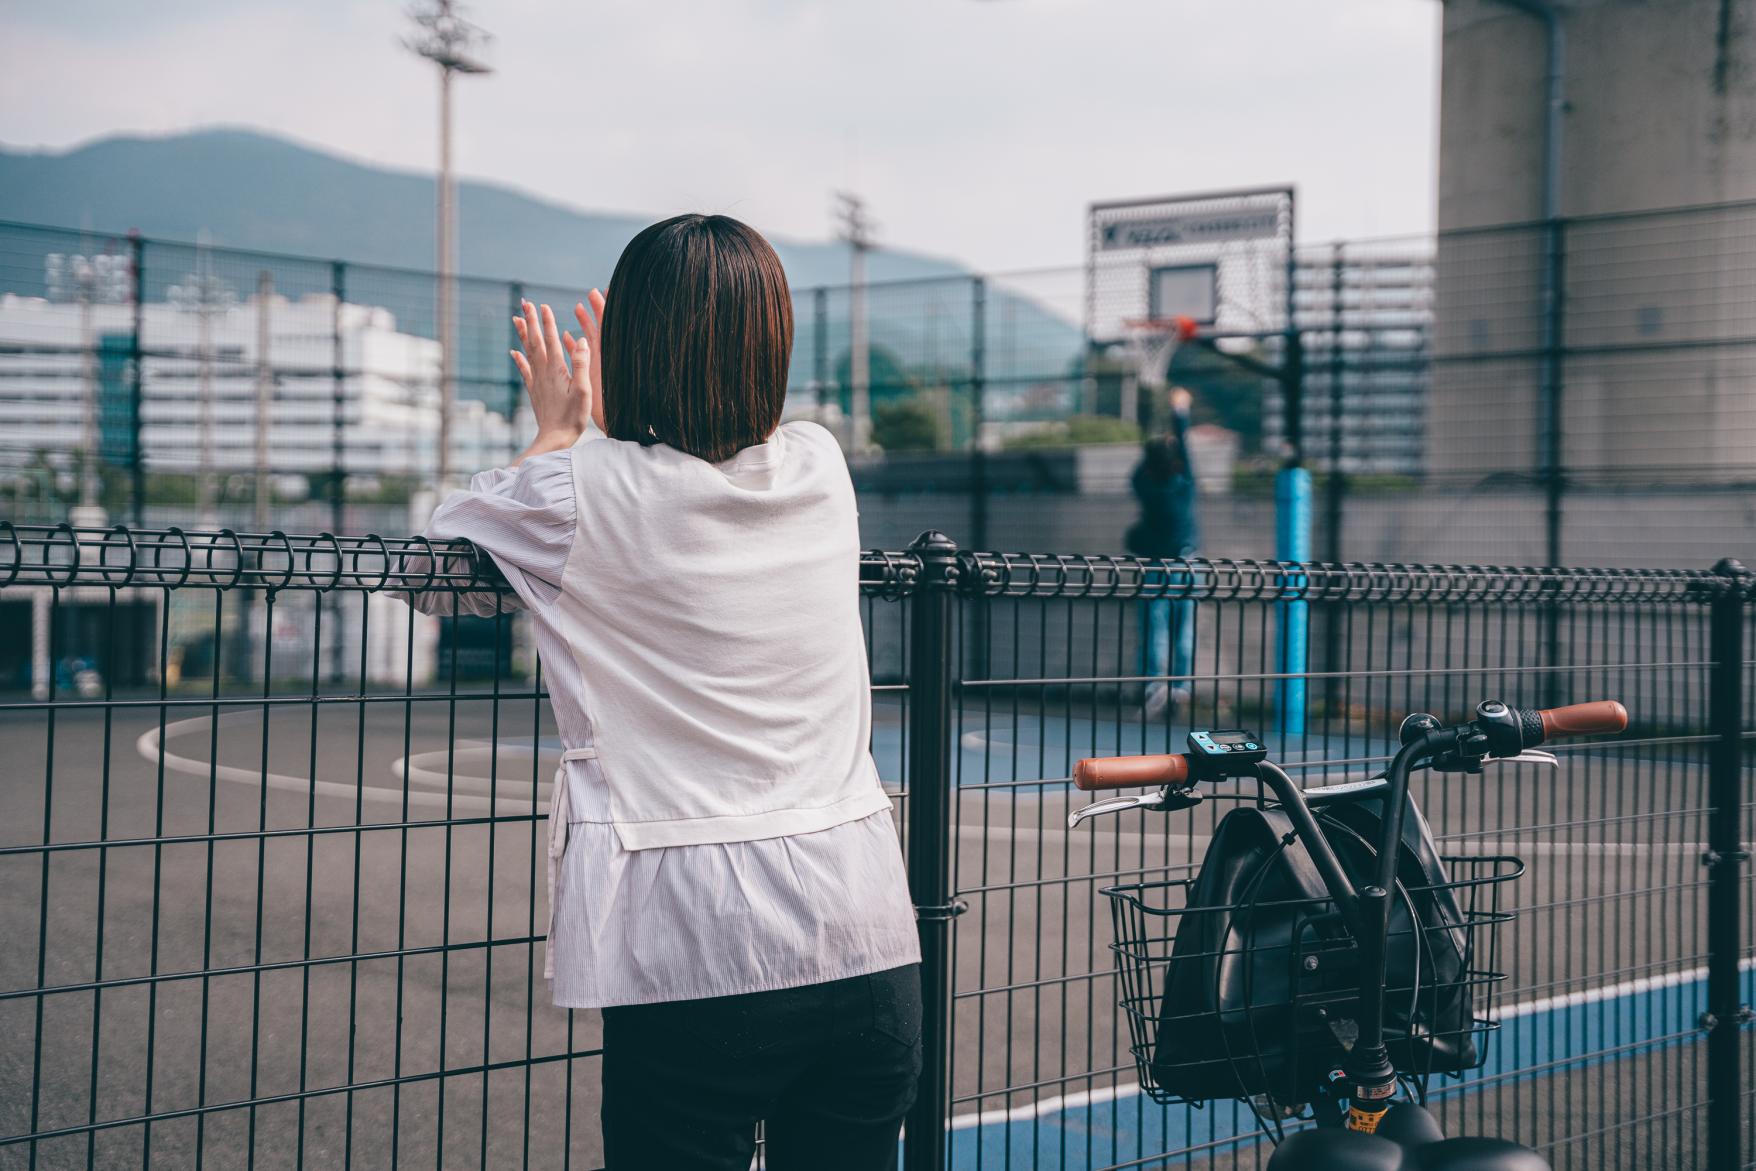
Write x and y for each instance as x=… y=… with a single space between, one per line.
x=1292 y=542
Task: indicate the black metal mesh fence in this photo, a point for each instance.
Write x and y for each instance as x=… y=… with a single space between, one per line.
x=271 y=854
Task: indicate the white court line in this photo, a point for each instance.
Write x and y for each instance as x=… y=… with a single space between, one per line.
x=152 y=750
x=1612 y=991
x=469 y=794
x=1058 y=1104
x=1061 y=1103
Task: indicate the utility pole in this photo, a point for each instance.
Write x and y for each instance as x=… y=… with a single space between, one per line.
x=90 y=430
x=856 y=229
x=445 y=38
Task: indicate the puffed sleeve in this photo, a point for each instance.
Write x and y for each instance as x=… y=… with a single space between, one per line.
x=524 y=518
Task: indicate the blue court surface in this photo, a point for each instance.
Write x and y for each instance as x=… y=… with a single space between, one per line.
x=1083 y=1131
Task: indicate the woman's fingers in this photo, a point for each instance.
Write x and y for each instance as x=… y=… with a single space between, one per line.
x=590 y=322
x=553 y=352
x=580 y=351
x=523 y=365
x=532 y=334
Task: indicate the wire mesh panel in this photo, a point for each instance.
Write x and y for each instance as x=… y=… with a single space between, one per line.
x=1606 y=954
x=271 y=856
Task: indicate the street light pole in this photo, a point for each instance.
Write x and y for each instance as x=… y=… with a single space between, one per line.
x=90 y=429
x=445 y=38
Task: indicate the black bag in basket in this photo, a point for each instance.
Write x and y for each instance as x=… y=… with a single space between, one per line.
x=1230 y=1026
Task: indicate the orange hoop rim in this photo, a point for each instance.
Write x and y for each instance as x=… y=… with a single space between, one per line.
x=1182 y=327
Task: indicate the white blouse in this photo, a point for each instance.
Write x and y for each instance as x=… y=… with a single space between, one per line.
x=671 y=922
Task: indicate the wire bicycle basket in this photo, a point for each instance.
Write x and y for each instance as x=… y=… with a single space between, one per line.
x=1255 y=999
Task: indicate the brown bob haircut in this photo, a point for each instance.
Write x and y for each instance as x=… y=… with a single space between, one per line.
x=697 y=337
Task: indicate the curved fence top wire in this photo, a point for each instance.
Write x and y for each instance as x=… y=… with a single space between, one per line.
x=171 y=558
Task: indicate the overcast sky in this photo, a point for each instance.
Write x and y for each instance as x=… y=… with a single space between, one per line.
x=977 y=129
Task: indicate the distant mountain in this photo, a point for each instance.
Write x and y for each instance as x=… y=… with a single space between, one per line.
x=253 y=190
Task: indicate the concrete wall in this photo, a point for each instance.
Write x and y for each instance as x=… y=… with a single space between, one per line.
x=1661 y=108
x=1661 y=113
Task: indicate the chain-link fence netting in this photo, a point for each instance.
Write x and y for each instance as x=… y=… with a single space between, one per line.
x=1573 y=392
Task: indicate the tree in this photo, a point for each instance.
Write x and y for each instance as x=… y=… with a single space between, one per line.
x=910 y=424
x=888 y=379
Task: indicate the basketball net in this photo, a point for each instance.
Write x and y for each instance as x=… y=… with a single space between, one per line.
x=1152 y=343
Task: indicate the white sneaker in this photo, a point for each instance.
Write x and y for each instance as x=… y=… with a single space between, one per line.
x=1158 y=697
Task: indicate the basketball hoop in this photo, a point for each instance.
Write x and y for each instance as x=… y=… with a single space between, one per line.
x=1153 y=342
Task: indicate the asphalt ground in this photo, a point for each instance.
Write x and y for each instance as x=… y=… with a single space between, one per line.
x=236 y=957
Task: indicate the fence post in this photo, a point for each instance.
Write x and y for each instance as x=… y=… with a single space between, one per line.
x=978 y=392
x=931 y=694
x=1334 y=484
x=1554 y=381
x=1726 y=854
x=136 y=384
x=978 y=457
x=338 y=402
x=1334 y=489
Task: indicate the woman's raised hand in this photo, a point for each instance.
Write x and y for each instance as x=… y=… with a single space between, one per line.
x=560 y=395
x=589 y=325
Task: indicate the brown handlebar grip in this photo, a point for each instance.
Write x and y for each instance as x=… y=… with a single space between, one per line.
x=1583 y=719
x=1130 y=772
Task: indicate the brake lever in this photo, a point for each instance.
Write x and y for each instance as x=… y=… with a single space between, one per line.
x=1529 y=756
x=1458 y=762
x=1167 y=800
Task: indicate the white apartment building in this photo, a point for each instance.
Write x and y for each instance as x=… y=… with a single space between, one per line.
x=65 y=370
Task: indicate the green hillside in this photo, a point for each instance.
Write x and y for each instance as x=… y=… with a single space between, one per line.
x=252 y=190
x=248 y=190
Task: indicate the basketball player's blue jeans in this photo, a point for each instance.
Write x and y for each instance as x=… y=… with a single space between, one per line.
x=1167 y=634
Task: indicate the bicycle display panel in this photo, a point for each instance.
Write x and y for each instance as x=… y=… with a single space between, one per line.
x=1229 y=747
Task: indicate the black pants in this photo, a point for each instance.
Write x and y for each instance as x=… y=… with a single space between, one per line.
x=830 y=1068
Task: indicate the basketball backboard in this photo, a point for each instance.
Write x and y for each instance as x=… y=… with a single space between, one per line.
x=1219 y=258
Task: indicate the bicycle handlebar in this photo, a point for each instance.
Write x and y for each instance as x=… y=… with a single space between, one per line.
x=1130 y=772
x=1581 y=719
x=1528 y=726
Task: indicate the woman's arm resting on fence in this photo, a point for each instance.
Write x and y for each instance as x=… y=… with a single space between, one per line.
x=523 y=518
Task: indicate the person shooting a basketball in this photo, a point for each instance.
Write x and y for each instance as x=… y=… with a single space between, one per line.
x=1164 y=486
